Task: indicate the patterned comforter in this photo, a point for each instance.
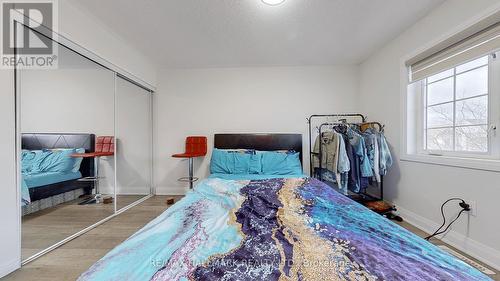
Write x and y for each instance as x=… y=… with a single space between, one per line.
x=274 y=229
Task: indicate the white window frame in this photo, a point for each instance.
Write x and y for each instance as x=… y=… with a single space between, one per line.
x=412 y=127
x=493 y=91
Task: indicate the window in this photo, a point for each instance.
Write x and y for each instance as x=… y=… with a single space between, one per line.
x=452 y=101
x=454 y=112
x=456 y=109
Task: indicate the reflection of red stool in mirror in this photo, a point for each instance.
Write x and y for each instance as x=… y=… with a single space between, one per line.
x=195 y=147
x=104 y=146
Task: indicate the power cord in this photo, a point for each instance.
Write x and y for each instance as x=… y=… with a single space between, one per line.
x=465 y=207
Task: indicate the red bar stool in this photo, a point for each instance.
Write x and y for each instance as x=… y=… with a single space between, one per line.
x=104 y=146
x=196 y=146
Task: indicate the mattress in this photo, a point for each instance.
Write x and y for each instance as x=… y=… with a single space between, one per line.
x=274 y=229
x=41 y=179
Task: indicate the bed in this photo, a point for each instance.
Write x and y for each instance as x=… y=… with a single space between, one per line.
x=41 y=186
x=273 y=227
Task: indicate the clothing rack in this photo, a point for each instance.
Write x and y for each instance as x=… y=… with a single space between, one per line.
x=341 y=120
x=315 y=116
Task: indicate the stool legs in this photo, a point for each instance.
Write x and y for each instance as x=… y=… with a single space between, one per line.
x=97 y=196
x=96 y=174
x=190 y=163
x=190 y=178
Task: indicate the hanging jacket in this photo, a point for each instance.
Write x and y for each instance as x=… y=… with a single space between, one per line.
x=376 y=161
x=358 y=143
x=329 y=151
x=343 y=165
x=372 y=150
x=343 y=161
x=385 y=154
x=353 y=177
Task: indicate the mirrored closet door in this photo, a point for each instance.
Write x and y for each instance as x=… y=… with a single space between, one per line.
x=63 y=112
x=134 y=142
x=85 y=148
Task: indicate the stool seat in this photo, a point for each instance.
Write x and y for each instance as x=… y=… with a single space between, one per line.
x=188 y=155
x=196 y=146
x=92 y=154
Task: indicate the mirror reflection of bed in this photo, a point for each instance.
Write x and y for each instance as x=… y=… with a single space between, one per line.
x=65 y=112
x=54 y=183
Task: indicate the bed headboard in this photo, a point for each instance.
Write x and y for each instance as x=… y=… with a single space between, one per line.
x=35 y=141
x=264 y=142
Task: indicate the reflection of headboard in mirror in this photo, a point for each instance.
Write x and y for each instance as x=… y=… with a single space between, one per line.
x=264 y=142
x=35 y=141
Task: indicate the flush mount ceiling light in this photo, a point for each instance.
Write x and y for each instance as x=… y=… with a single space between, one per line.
x=273 y=2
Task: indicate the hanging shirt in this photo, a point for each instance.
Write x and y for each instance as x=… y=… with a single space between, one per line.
x=329 y=151
x=372 y=150
x=343 y=161
x=359 y=145
x=343 y=165
x=353 y=177
x=385 y=154
x=376 y=161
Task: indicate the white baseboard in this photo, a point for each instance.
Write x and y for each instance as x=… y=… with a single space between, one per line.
x=473 y=248
x=170 y=190
x=9 y=267
x=131 y=192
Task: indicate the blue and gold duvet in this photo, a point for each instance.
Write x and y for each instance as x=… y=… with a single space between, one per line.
x=274 y=229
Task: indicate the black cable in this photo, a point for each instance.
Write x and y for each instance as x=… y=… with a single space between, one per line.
x=449 y=225
x=437 y=232
x=444 y=218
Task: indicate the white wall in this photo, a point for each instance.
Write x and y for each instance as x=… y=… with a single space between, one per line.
x=89 y=33
x=419 y=189
x=241 y=100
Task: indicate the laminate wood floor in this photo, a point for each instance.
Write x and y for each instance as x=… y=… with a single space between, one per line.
x=75 y=257
x=438 y=242
x=47 y=227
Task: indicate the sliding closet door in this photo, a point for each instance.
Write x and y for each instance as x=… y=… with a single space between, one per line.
x=134 y=142
x=62 y=112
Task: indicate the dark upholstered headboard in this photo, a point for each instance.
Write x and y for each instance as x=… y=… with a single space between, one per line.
x=264 y=142
x=36 y=141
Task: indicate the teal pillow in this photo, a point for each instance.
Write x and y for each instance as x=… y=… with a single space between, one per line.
x=27 y=159
x=37 y=160
x=254 y=162
x=222 y=162
x=235 y=161
x=279 y=163
x=59 y=160
x=241 y=163
x=77 y=160
x=255 y=166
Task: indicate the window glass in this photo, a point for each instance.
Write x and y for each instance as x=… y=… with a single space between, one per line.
x=440 y=115
x=441 y=91
x=456 y=108
x=471 y=138
x=472 y=111
x=472 y=83
x=440 y=139
x=472 y=64
x=439 y=76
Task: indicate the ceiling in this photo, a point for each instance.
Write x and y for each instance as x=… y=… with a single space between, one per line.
x=228 y=33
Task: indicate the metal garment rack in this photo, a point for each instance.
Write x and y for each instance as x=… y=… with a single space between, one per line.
x=341 y=120
x=315 y=116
